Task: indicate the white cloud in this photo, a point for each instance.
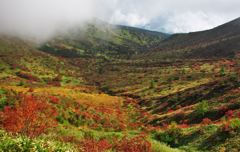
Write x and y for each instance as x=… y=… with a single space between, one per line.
x=188 y=22
x=40 y=19
x=176 y=15
x=131 y=19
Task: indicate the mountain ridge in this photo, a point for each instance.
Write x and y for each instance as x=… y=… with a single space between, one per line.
x=220 y=42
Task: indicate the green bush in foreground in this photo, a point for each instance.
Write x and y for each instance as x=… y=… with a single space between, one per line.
x=23 y=144
x=170 y=136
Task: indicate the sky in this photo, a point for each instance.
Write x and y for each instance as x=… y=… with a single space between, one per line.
x=41 y=19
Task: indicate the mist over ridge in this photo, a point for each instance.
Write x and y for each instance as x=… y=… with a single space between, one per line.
x=39 y=21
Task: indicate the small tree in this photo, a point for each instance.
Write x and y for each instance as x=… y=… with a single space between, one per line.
x=202 y=108
x=152 y=84
x=222 y=71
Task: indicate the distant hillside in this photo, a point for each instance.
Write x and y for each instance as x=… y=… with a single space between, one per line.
x=222 y=41
x=102 y=39
x=21 y=63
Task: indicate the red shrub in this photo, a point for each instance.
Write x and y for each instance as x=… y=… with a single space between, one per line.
x=54 y=100
x=92 y=145
x=30 y=117
x=206 y=121
x=150 y=128
x=226 y=127
x=183 y=126
x=69 y=139
x=184 y=121
x=136 y=144
x=229 y=114
x=179 y=107
x=170 y=111
x=223 y=108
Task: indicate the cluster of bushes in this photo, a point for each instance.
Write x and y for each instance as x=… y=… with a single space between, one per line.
x=28 y=115
x=104 y=117
x=24 y=118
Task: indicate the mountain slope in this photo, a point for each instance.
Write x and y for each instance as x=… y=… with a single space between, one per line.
x=185 y=104
x=21 y=63
x=102 y=39
x=222 y=41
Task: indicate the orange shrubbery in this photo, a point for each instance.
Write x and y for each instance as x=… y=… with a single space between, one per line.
x=30 y=116
x=135 y=144
x=206 y=121
x=54 y=100
x=106 y=117
x=92 y=145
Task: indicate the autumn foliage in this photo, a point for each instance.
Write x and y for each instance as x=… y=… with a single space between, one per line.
x=135 y=144
x=206 y=121
x=92 y=145
x=54 y=100
x=30 y=116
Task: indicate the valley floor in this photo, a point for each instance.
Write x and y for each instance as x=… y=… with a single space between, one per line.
x=49 y=103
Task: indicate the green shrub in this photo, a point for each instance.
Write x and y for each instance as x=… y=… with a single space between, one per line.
x=202 y=108
x=171 y=136
x=3 y=102
x=3 y=98
x=189 y=77
x=173 y=78
x=235 y=123
x=74 y=119
x=2 y=91
x=222 y=71
x=60 y=119
x=152 y=84
x=21 y=83
x=160 y=147
x=106 y=89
